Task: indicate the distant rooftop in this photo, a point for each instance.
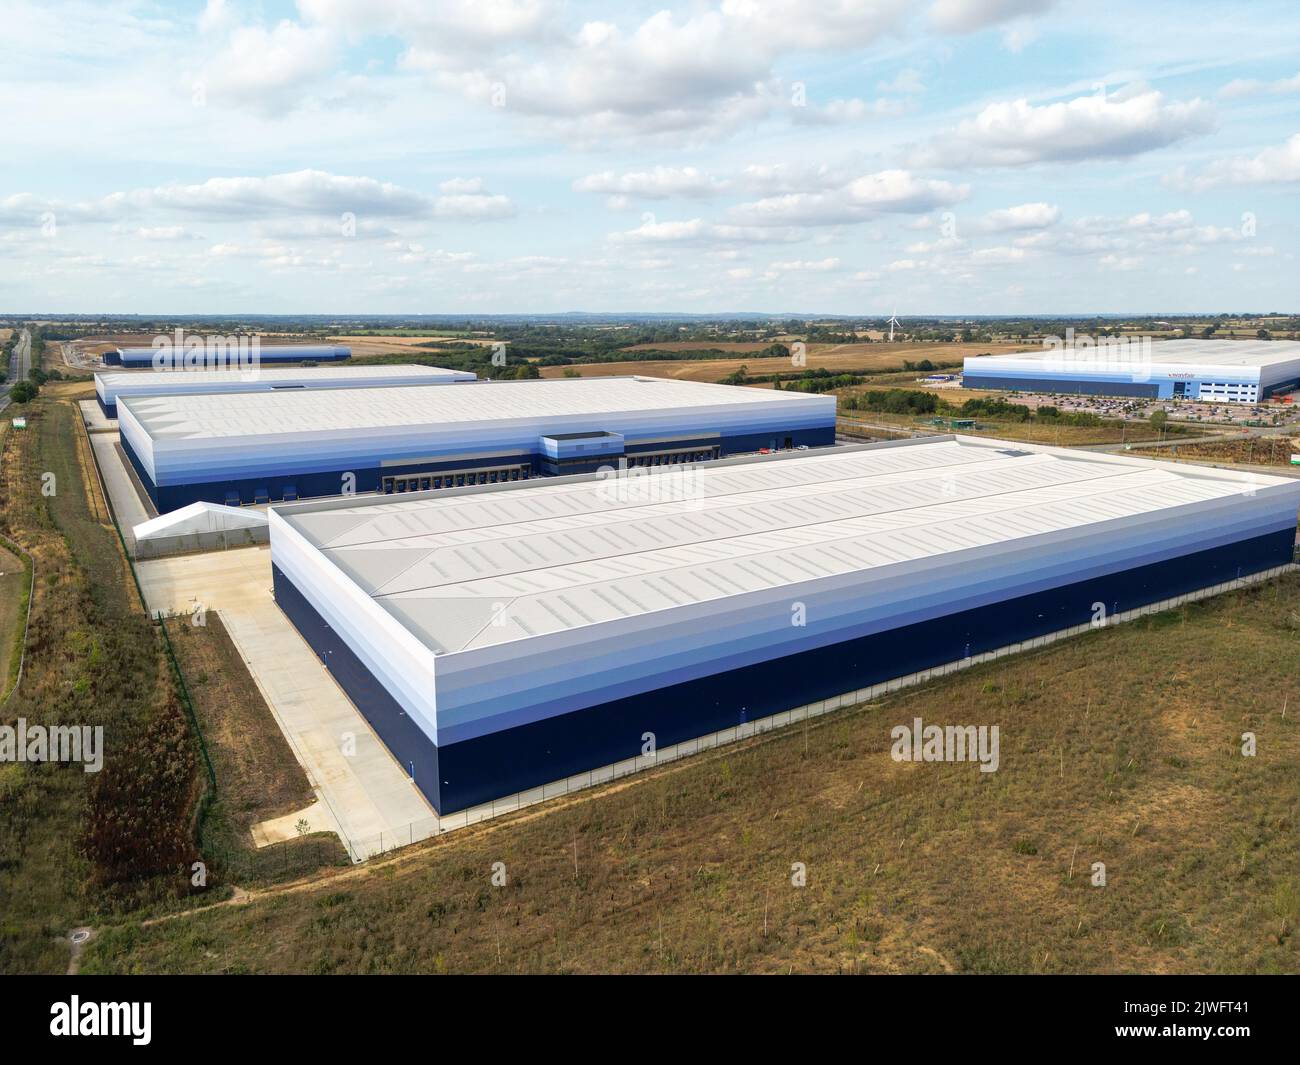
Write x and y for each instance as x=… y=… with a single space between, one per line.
x=486 y=402
x=1191 y=352
x=165 y=379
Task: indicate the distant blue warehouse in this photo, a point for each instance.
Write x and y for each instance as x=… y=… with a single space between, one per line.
x=109 y=386
x=512 y=638
x=275 y=445
x=136 y=358
x=1210 y=371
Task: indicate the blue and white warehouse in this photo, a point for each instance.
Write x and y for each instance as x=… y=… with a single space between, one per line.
x=256 y=447
x=183 y=382
x=147 y=357
x=500 y=638
x=1210 y=371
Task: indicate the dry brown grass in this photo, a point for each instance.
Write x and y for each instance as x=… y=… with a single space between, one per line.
x=1256 y=451
x=257 y=774
x=1119 y=747
x=13 y=587
x=369 y=346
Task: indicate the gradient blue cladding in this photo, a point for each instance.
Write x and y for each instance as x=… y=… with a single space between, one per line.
x=181 y=440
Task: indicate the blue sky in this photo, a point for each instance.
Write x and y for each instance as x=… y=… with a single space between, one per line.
x=395 y=156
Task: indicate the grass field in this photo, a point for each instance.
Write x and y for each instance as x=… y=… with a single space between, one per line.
x=864 y=422
x=14 y=583
x=67 y=836
x=1120 y=747
x=839 y=358
x=1256 y=451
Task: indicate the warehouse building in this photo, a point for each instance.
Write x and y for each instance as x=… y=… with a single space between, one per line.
x=1212 y=371
x=140 y=358
x=256 y=447
x=501 y=639
x=108 y=386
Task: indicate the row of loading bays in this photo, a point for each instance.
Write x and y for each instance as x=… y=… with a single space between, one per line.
x=425 y=482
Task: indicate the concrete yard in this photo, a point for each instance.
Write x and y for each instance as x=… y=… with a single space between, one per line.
x=129 y=505
x=373 y=803
x=94 y=417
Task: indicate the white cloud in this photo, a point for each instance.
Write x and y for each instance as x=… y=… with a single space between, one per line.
x=473 y=208
x=907 y=82
x=1278 y=165
x=860 y=199
x=268 y=70
x=462 y=186
x=301 y=191
x=708 y=72
x=279 y=197
x=1241 y=87
x=697 y=231
x=164 y=233
x=805 y=266
x=1098 y=126
x=661 y=183
x=1122 y=263
x=1022 y=216
x=967 y=16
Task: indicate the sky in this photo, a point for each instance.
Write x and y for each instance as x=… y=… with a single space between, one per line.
x=533 y=156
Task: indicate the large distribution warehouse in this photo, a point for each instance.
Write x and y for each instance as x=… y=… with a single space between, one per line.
x=255 y=447
x=108 y=386
x=504 y=637
x=1216 y=371
x=148 y=357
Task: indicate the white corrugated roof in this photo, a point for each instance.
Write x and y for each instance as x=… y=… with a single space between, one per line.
x=164 y=379
x=1191 y=352
x=547 y=557
x=268 y=413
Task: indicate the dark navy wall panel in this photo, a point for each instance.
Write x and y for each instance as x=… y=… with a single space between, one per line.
x=170 y=497
x=144 y=357
x=402 y=736
x=1079 y=386
x=109 y=409
x=502 y=763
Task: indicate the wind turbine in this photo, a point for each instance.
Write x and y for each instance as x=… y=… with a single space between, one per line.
x=893 y=321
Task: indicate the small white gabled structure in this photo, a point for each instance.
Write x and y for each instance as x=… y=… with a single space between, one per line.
x=200 y=527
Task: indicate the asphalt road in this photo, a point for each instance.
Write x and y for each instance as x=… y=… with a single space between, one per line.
x=19 y=364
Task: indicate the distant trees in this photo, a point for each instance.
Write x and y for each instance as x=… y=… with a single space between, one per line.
x=24 y=391
x=893 y=401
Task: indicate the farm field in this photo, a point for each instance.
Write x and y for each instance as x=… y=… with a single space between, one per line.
x=910 y=867
x=838 y=358
x=363 y=346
